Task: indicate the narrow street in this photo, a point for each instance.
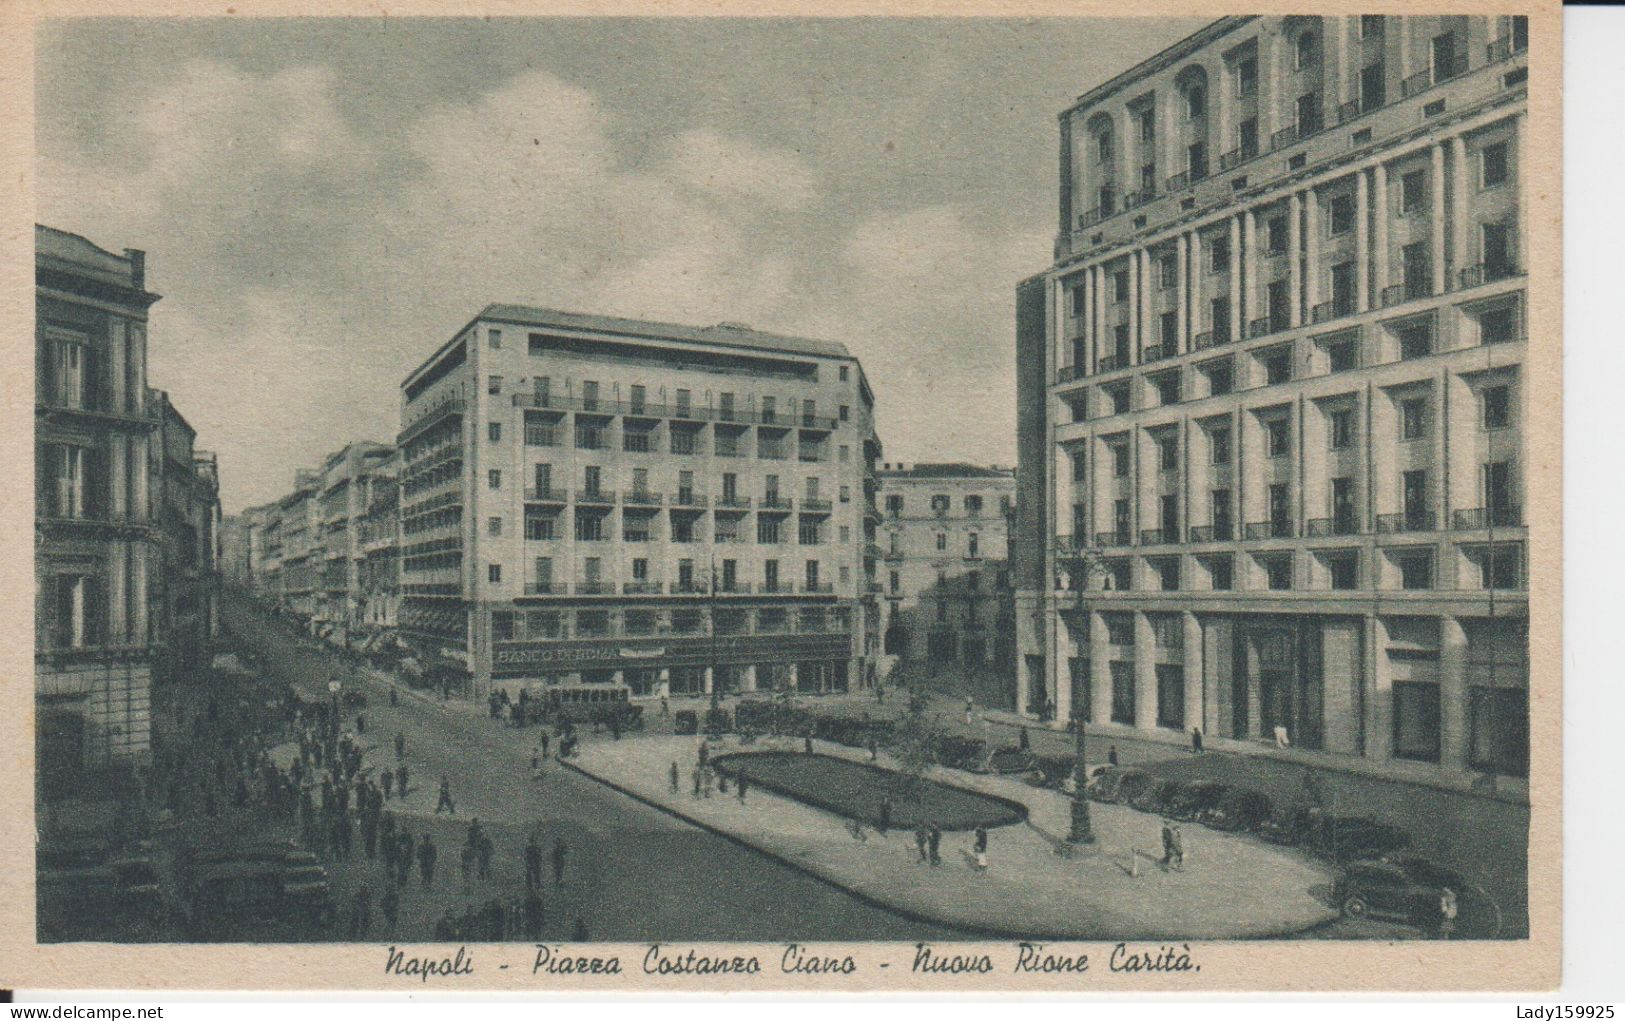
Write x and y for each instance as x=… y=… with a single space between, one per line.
x=633 y=873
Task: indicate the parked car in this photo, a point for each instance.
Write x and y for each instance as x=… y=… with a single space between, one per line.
x=1288 y=827
x=1155 y=796
x=1052 y=770
x=1237 y=812
x=259 y=899
x=1357 y=838
x=1402 y=888
x=1117 y=784
x=1192 y=799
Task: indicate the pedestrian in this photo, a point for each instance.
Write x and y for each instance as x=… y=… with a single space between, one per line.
x=389 y=782
x=922 y=837
x=936 y=844
x=468 y=866
x=722 y=782
x=535 y=761
x=533 y=914
x=400 y=745
x=697 y=771
x=1111 y=755
x=665 y=707
x=400 y=781
x=391 y=905
x=369 y=833
x=1196 y=740
x=580 y=932
x=705 y=754
x=426 y=857
x=341 y=834
x=394 y=696
x=970 y=709
x=1025 y=741
x=360 y=723
x=533 y=863
x=386 y=839
x=559 y=852
x=445 y=928
x=874 y=750
x=483 y=852
x=403 y=857
x=806 y=744
x=980 y=848
x=742 y=782
x=708 y=779
x=674 y=776
x=885 y=814
x=544 y=744
x=445 y=801
x=1167 y=844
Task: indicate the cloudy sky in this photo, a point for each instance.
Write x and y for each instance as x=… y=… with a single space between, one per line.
x=323 y=202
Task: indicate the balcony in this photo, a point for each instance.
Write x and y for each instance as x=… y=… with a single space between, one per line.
x=811 y=505
x=546 y=588
x=774 y=587
x=688 y=500
x=1112 y=362
x=543 y=494
x=1138 y=198
x=1204 y=340
x=733 y=501
x=1158 y=536
x=776 y=502
x=642 y=498
x=819 y=423
x=1211 y=533
x=688 y=587
x=1112 y=538
x=1406 y=521
x=643 y=588
x=595 y=497
x=1503 y=48
x=595 y=588
x=1329 y=310
x=1259 y=530
x=721 y=451
x=1158 y=352
x=1493 y=517
x=1263 y=326
x=871 y=550
x=894 y=554
x=1178 y=182
x=1067 y=373
x=1398 y=294
x=1485 y=273
x=1320 y=528
x=733 y=588
x=1440 y=72
x=1089 y=218
x=817 y=588
x=1294 y=133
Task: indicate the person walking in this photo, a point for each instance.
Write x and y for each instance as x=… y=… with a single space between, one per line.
x=698 y=770
x=533 y=864
x=980 y=847
x=806 y=743
x=970 y=710
x=369 y=832
x=885 y=814
x=741 y=781
x=545 y=741
x=426 y=857
x=400 y=745
x=445 y=801
x=388 y=779
x=674 y=784
x=559 y=852
x=922 y=838
x=1025 y=741
x=361 y=913
x=1196 y=740
x=1111 y=755
x=705 y=754
x=1167 y=845
x=404 y=858
x=391 y=907
x=400 y=781
x=534 y=912
x=467 y=862
x=936 y=844
x=483 y=851
x=708 y=780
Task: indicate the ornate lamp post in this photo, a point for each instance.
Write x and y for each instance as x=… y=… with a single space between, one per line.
x=1080 y=564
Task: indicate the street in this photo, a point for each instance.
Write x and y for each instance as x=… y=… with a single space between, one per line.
x=633 y=873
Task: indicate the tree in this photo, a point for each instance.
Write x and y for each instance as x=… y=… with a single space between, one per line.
x=914 y=740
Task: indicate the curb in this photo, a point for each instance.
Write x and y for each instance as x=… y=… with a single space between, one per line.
x=912 y=914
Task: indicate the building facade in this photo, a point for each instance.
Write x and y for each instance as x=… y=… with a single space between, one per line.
x=944 y=572
x=596 y=500
x=1270 y=397
x=379 y=574
x=339 y=555
x=96 y=539
x=184 y=586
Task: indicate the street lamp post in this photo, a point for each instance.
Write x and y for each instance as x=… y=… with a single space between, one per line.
x=1082 y=564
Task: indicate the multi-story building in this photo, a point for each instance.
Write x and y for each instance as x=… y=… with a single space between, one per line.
x=944 y=574
x=589 y=499
x=379 y=575
x=94 y=529
x=345 y=493
x=1270 y=397
x=302 y=557
x=183 y=587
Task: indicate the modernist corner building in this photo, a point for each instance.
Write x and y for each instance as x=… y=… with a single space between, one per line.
x=1270 y=398
x=592 y=500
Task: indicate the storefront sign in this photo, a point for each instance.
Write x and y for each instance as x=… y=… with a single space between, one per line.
x=512 y=659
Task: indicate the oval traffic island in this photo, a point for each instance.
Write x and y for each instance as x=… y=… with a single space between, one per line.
x=855 y=790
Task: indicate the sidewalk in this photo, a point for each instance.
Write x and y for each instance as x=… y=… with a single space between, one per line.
x=1232 y=887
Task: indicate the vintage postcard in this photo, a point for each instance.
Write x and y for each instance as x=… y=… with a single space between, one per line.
x=1035 y=497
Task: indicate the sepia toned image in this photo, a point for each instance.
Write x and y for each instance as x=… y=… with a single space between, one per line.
x=855 y=500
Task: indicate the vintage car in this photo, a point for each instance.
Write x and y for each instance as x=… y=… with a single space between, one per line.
x=1402 y=888
x=260 y=900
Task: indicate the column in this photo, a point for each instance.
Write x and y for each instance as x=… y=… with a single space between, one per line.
x=1062 y=669
x=1238 y=324
x=1145 y=673
x=1097 y=311
x=1452 y=694
x=1194 y=284
x=1195 y=694
x=1100 y=669
x=1362 y=244
x=1460 y=242
x=1220 y=96
x=794 y=679
x=1182 y=296
x=748 y=678
x=1148 y=322
x=1255 y=291
x=1134 y=306
x=1342 y=93
x=1379 y=238
x=1295 y=312
x=1436 y=185
x=1267 y=87
x=1086 y=323
x=1379 y=710
x=709 y=680
x=1311 y=247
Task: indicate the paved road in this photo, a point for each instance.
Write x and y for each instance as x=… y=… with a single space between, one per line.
x=636 y=874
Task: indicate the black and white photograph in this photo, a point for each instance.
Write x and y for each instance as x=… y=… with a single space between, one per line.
x=853 y=491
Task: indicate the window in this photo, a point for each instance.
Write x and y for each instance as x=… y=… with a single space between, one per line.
x=1218 y=254
x=1168 y=516
x=1120 y=520
x=1280 y=508
x=1342 y=214
x=1080 y=519
x=1341 y=421
x=592 y=479
x=494 y=431
x=845 y=454
x=1219 y=503
x=1344 y=571
x=1277 y=235
x=589 y=436
x=973 y=505
x=1416 y=721
x=770 y=576
x=843 y=373
x=1373 y=86
x=1342 y=356
x=493 y=478
x=1278 y=573
x=493 y=573
x=1492 y=161
x=1495 y=249
x=895 y=582
x=1167 y=452
x=1413 y=192
x=1220 y=379
x=845 y=412
x=1343 y=505
x=493 y=385
x=846 y=494
x=1169 y=323
x=1119 y=394
x=1277 y=367
x=846 y=534
x=1498 y=326
x=1195 y=102
x=1497 y=479
x=1413 y=418
x=636 y=528
x=725 y=406
x=940 y=503
x=1247 y=137
x=1498 y=566
x=1103 y=147
x=589 y=527
x=1196 y=160
x=1499 y=721
x=1304 y=51
x=1221 y=574
x=1445 y=64
x=682 y=441
x=973 y=545
x=1414 y=495
x=1279 y=437
x=1308 y=110
x=894 y=504
x=942 y=540
x=1497 y=405
x=1370 y=26
x=1120 y=460
x=1416 y=269
x=494 y=339
x=808 y=532
x=539 y=527
x=1416 y=570
x=493 y=526
x=1219 y=439
x=1120 y=285
x=1245 y=74
x=1168 y=271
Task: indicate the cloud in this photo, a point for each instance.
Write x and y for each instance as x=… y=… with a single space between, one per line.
x=732 y=168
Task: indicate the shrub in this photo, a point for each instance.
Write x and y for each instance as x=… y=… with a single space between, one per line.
x=754 y=714
x=717 y=721
x=686 y=721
